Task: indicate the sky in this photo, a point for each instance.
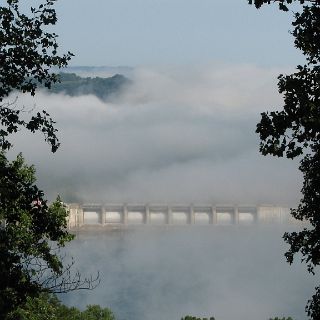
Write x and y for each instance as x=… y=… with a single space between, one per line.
x=184 y=131
x=166 y=32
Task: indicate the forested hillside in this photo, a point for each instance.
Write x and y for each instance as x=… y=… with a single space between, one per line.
x=104 y=88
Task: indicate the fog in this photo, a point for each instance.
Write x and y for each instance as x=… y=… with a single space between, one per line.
x=176 y=135
x=163 y=274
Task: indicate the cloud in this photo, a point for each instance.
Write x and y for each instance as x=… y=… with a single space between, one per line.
x=176 y=135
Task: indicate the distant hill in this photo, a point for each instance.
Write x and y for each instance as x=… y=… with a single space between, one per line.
x=103 y=88
x=102 y=71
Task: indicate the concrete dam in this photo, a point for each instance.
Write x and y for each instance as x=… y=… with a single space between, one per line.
x=125 y=215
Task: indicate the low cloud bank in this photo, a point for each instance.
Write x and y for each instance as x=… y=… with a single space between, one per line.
x=175 y=135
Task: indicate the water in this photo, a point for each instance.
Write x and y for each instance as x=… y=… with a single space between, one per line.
x=231 y=272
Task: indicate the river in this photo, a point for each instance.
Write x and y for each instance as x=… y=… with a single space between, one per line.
x=230 y=272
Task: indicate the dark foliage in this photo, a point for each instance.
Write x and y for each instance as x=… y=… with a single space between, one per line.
x=283 y=4
x=284 y=318
x=48 y=307
x=195 y=318
x=27 y=53
x=103 y=88
x=31 y=232
x=295 y=131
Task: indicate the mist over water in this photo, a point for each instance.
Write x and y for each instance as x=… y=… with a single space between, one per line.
x=231 y=272
x=177 y=135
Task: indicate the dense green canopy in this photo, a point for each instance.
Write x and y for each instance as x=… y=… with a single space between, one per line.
x=294 y=131
x=48 y=307
x=31 y=232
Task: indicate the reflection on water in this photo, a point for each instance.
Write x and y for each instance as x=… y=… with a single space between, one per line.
x=156 y=273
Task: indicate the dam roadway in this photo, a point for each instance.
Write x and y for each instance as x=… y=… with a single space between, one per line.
x=124 y=215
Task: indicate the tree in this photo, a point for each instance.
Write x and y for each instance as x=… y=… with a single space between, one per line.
x=295 y=132
x=196 y=318
x=30 y=238
x=48 y=307
x=27 y=54
x=95 y=312
x=103 y=88
x=284 y=318
x=31 y=232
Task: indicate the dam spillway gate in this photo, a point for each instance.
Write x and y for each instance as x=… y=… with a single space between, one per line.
x=121 y=215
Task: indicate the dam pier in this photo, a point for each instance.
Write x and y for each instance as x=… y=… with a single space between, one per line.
x=122 y=215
